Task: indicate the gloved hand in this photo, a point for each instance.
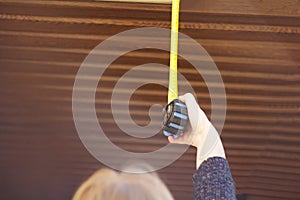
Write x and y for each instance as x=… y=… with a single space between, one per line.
x=199 y=133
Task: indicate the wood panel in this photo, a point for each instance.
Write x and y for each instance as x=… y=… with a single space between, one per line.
x=255 y=45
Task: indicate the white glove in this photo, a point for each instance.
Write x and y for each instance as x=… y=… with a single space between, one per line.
x=199 y=133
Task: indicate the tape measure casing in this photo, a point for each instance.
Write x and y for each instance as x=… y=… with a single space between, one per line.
x=175 y=118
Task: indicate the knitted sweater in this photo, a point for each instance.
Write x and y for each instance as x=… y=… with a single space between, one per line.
x=213 y=180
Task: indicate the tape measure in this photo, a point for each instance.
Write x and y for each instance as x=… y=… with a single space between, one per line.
x=173 y=85
x=175 y=113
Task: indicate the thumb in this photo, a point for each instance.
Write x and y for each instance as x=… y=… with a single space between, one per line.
x=192 y=108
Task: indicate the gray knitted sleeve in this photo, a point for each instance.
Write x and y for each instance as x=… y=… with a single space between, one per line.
x=213 y=180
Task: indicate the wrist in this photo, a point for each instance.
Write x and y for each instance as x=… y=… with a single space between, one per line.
x=211 y=147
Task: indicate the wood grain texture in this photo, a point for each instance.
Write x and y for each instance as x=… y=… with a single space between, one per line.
x=254 y=43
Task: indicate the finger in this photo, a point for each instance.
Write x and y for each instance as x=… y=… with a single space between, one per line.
x=186 y=96
x=179 y=140
x=175 y=140
x=171 y=139
x=192 y=107
x=183 y=97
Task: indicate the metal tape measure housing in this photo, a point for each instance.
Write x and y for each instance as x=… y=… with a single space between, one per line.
x=175 y=118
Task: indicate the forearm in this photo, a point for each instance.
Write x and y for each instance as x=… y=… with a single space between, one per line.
x=213 y=180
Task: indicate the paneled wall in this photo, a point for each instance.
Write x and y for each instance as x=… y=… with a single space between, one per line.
x=255 y=45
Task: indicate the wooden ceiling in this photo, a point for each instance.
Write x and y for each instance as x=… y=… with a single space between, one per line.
x=254 y=43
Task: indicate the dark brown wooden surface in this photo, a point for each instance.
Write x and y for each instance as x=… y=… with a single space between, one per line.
x=255 y=44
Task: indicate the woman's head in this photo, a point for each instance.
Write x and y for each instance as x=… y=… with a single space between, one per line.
x=107 y=184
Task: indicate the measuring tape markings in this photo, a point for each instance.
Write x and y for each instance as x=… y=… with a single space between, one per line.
x=173 y=84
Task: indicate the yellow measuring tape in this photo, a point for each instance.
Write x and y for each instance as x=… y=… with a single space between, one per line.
x=173 y=84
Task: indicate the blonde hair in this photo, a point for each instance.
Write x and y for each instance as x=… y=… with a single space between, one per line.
x=106 y=184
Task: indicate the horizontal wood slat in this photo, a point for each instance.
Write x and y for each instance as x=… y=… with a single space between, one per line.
x=254 y=43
